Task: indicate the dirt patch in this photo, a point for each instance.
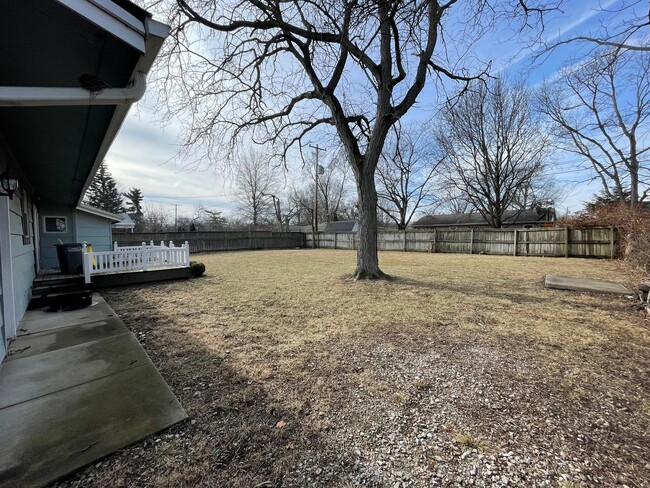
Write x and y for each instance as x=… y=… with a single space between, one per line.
x=464 y=370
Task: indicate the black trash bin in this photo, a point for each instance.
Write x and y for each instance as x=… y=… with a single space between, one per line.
x=70 y=258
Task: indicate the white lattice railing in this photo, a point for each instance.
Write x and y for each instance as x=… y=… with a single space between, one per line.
x=135 y=258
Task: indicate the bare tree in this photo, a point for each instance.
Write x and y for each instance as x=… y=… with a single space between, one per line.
x=601 y=109
x=155 y=218
x=333 y=192
x=333 y=188
x=627 y=28
x=254 y=180
x=405 y=174
x=211 y=219
x=279 y=72
x=494 y=145
x=277 y=209
x=454 y=201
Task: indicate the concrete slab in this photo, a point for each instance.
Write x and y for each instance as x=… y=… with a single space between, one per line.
x=585 y=284
x=62 y=337
x=42 y=374
x=46 y=438
x=39 y=320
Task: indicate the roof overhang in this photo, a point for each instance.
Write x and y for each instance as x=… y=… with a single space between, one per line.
x=57 y=130
x=99 y=213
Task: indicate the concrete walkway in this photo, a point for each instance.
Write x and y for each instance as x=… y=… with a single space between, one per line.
x=75 y=387
x=585 y=284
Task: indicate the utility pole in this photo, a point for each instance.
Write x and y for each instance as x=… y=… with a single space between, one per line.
x=176 y=205
x=317 y=171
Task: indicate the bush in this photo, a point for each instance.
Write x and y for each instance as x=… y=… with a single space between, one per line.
x=633 y=229
x=197 y=269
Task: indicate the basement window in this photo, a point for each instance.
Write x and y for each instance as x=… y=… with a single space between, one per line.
x=56 y=225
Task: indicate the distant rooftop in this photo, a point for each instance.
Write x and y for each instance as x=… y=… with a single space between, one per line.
x=511 y=217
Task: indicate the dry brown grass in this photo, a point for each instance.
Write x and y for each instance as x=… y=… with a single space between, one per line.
x=277 y=356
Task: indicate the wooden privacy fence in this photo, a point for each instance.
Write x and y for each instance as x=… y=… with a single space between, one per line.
x=596 y=242
x=218 y=240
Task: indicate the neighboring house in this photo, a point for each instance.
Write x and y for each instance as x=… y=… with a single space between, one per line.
x=342 y=226
x=524 y=218
x=334 y=226
x=125 y=223
x=70 y=72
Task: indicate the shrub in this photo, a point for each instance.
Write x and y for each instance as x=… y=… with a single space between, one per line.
x=197 y=269
x=633 y=229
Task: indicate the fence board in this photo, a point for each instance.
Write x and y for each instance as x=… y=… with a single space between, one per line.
x=218 y=241
x=595 y=242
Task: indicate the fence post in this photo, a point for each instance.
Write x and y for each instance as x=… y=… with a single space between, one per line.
x=250 y=239
x=171 y=244
x=612 y=244
x=187 y=253
x=471 y=241
x=85 y=263
x=435 y=238
x=567 y=243
x=514 y=240
x=404 y=239
x=335 y=234
x=354 y=245
x=145 y=257
x=115 y=246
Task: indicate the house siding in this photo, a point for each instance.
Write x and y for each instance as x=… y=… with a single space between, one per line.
x=49 y=240
x=22 y=252
x=3 y=337
x=94 y=230
x=17 y=262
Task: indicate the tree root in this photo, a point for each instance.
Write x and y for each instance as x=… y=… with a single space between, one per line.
x=359 y=275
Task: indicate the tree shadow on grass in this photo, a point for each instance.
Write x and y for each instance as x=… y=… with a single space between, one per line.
x=239 y=432
x=512 y=296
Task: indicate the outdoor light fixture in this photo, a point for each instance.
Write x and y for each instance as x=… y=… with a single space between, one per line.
x=9 y=184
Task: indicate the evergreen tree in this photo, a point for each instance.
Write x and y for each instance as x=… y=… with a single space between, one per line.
x=134 y=203
x=103 y=192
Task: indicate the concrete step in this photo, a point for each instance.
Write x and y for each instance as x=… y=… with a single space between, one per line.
x=62 y=280
x=67 y=300
x=62 y=288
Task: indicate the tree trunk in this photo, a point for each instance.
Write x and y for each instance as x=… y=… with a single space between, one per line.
x=367 y=258
x=634 y=179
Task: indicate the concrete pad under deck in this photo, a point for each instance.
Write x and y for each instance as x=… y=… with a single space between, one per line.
x=82 y=392
x=60 y=337
x=585 y=284
x=39 y=320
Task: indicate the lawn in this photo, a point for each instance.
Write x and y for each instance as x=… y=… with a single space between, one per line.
x=463 y=370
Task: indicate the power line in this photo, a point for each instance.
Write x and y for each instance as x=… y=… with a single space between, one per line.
x=195 y=198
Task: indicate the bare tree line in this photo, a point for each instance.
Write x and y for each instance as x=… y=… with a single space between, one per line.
x=279 y=75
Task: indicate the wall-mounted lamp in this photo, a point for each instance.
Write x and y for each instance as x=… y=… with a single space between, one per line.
x=9 y=184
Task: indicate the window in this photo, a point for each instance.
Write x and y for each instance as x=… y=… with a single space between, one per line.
x=56 y=225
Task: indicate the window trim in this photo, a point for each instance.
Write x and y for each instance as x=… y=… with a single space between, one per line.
x=65 y=219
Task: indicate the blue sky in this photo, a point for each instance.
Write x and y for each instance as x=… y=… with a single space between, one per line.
x=144 y=154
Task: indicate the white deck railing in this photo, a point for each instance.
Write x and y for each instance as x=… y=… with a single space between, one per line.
x=135 y=258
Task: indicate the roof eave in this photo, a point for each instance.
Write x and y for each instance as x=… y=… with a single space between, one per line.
x=156 y=34
x=98 y=213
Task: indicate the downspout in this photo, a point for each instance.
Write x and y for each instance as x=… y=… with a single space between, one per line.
x=28 y=96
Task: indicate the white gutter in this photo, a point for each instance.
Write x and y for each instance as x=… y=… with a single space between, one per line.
x=33 y=96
